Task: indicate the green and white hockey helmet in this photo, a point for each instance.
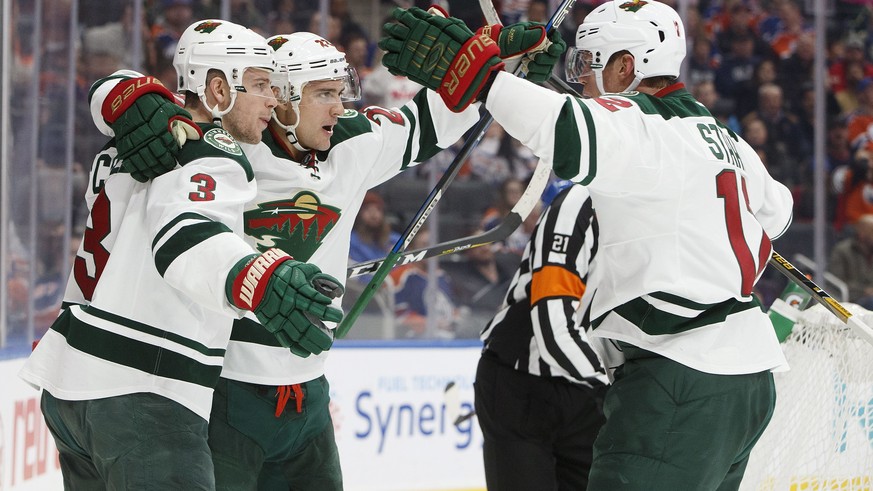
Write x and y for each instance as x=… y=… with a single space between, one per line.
x=651 y=31
x=305 y=57
x=219 y=45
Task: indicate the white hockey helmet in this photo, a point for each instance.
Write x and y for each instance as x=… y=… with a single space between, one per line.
x=219 y=45
x=305 y=57
x=651 y=31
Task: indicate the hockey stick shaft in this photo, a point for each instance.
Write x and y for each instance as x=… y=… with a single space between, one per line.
x=523 y=207
x=430 y=202
x=783 y=266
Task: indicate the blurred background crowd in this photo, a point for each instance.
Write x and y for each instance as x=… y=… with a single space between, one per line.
x=749 y=61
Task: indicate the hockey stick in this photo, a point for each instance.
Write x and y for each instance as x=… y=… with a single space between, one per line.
x=519 y=212
x=783 y=266
x=430 y=202
x=452 y=400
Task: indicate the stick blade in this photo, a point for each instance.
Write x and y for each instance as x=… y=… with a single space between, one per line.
x=452 y=400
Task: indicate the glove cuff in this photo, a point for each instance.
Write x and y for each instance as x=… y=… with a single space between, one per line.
x=463 y=80
x=251 y=275
x=125 y=93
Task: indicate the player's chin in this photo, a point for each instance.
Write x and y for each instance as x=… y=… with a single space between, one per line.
x=318 y=144
x=251 y=137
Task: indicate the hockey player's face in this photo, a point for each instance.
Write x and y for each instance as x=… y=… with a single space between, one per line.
x=253 y=108
x=589 y=86
x=320 y=107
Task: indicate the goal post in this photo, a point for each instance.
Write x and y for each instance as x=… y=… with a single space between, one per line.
x=821 y=434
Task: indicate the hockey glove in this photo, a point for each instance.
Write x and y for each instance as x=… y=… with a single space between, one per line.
x=441 y=54
x=290 y=299
x=150 y=128
x=528 y=40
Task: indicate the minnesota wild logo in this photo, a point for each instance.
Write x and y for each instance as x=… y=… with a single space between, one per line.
x=633 y=5
x=207 y=26
x=277 y=42
x=297 y=225
x=221 y=139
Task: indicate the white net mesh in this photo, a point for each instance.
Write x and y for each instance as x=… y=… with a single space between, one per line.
x=821 y=435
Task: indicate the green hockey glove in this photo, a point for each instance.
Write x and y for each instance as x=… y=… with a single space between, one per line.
x=150 y=128
x=441 y=54
x=528 y=40
x=290 y=298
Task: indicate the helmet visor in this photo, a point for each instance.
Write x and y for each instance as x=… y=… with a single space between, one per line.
x=281 y=85
x=349 y=91
x=578 y=64
x=351 y=86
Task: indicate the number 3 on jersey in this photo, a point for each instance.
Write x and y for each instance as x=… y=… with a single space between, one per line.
x=726 y=186
x=205 y=188
x=92 y=243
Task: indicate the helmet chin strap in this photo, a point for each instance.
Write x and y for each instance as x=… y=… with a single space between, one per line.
x=216 y=113
x=290 y=130
x=598 y=79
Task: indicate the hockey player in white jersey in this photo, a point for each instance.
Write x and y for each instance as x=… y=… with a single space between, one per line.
x=312 y=180
x=686 y=211
x=324 y=159
x=271 y=423
x=129 y=367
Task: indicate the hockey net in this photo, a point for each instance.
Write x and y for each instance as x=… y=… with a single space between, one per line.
x=821 y=434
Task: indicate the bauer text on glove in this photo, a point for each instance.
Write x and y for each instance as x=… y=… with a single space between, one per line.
x=441 y=54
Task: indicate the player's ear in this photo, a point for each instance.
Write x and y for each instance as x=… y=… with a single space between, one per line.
x=220 y=91
x=627 y=65
x=285 y=114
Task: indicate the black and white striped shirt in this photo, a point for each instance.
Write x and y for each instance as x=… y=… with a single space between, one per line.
x=536 y=330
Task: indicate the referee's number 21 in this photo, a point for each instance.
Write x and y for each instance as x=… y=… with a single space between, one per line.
x=728 y=190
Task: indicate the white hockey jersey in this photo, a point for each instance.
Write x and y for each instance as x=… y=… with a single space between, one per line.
x=146 y=305
x=308 y=209
x=686 y=212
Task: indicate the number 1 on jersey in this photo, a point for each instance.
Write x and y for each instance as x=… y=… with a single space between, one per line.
x=726 y=186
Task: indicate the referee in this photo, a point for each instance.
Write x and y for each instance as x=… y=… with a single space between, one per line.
x=539 y=386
